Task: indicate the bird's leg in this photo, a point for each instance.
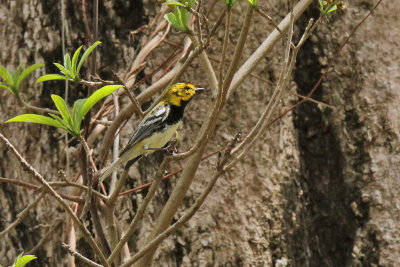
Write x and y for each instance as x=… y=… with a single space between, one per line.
x=170 y=148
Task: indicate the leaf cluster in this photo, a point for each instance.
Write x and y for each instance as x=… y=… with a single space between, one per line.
x=22 y=260
x=69 y=122
x=13 y=79
x=71 y=68
x=328 y=6
x=179 y=18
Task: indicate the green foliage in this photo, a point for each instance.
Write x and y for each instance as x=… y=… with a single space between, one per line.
x=186 y=4
x=329 y=6
x=230 y=3
x=13 y=79
x=174 y=3
x=70 y=70
x=253 y=3
x=179 y=19
x=22 y=260
x=68 y=122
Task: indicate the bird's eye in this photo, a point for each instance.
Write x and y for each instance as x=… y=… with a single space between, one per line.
x=187 y=87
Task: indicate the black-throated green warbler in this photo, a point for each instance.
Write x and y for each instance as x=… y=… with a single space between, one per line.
x=157 y=127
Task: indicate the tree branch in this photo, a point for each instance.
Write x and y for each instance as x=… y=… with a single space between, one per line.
x=22 y=215
x=141 y=210
x=46 y=187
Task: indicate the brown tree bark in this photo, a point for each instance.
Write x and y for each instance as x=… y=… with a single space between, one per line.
x=319 y=189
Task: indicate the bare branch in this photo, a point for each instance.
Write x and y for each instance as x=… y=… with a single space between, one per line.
x=153 y=243
x=116 y=143
x=22 y=215
x=80 y=256
x=37 y=109
x=266 y=47
x=141 y=210
x=46 y=187
x=284 y=76
x=48 y=234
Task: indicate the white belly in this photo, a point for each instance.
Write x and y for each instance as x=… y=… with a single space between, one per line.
x=159 y=139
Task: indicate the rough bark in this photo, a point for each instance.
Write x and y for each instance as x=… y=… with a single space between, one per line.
x=319 y=189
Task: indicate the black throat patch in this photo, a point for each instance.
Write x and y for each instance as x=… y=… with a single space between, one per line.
x=176 y=113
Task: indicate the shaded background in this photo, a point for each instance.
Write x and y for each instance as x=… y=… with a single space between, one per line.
x=320 y=188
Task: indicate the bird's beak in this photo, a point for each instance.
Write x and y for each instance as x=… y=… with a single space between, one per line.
x=199 y=89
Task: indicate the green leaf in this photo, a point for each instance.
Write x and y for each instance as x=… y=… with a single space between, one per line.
x=178 y=19
x=67 y=61
x=63 y=124
x=230 y=3
x=26 y=72
x=76 y=111
x=35 y=118
x=86 y=54
x=6 y=87
x=51 y=77
x=95 y=97
x=64 y=71
x=15 y=74
x=184 y=16
x=321 y=5
x=6 y=76
x=75 y=61
x=331 y=9
x=21 y=261
x=62 y=107
x=174 y=3
x=170 y=17
x=253 y=3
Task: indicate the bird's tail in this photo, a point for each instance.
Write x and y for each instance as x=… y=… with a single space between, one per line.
x=110 y=169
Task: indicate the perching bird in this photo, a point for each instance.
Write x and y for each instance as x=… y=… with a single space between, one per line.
x=157 y=127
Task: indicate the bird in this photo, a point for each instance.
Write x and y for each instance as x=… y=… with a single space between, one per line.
x=157 y=127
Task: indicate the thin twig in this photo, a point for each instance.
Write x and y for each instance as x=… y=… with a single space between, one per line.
x=272 y=104
x=114 y=194
x=22 y=215
x=89 y=154
x=206 y=130
x=47 y=236
x=312 y=100
x=139 y=214
x=37 y=109
x=169 y=174
x=189 y=214
x=32 y=186
x=330 y=65
x=131 y=97
x=89 y=35
x=224 y=47
x=80 y=256
x=85 y=158
x=105 y=123
x=153 y=243
x=39 y=178
x=95 y=32
x=96 y=193
x=127 y=112
x=116 y=145
x=253 y=61
x=268 y=18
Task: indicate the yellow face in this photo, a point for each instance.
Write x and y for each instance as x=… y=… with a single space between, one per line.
x=178 y=92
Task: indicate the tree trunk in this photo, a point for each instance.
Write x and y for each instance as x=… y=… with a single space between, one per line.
x=320 y=187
